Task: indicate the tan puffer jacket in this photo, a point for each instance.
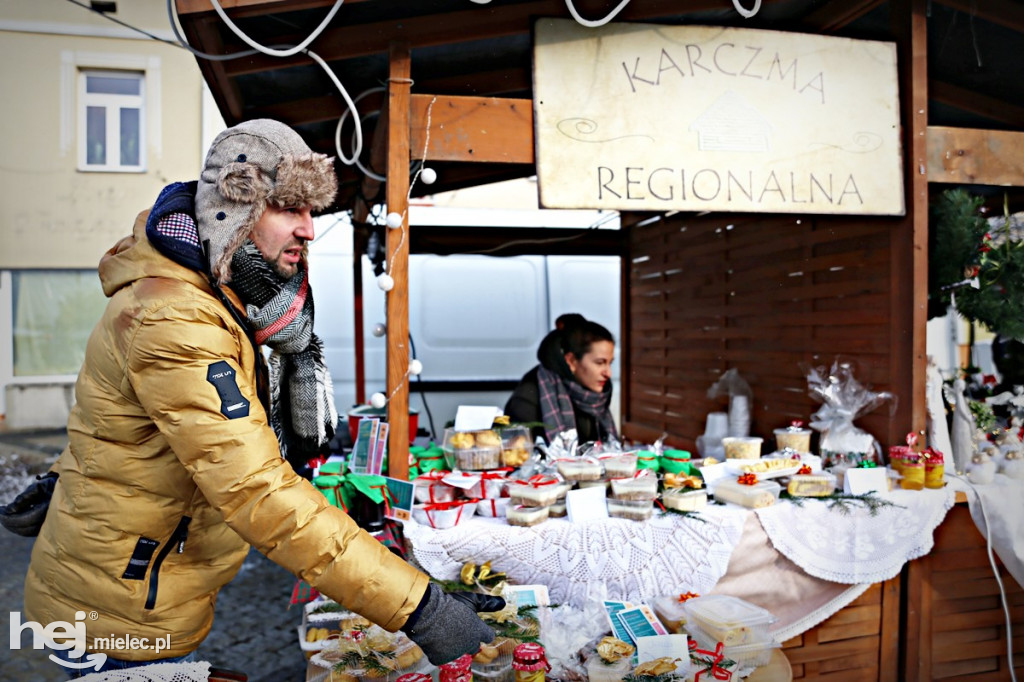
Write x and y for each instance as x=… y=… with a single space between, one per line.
x=160 y=494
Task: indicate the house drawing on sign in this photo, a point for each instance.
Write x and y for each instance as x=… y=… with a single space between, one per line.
x=731 y=124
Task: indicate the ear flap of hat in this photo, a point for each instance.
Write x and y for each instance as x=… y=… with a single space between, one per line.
x=243 y=183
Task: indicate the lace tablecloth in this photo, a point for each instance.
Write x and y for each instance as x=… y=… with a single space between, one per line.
x=613 y=558
x=857 y=547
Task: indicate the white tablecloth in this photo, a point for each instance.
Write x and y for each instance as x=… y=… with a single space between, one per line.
x=801 y=563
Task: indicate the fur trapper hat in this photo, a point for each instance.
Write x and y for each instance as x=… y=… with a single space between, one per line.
x=248 y=166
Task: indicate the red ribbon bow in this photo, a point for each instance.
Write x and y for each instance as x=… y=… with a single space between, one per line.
x=716 y=672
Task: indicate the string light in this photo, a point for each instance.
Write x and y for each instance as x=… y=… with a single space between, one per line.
x=385 y=282
x=428 y=176
x=378 y=400
x=415 y=367
x=394 y=220
x=379 y=329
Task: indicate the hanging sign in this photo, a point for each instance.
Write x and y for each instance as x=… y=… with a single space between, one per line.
x=696 y=118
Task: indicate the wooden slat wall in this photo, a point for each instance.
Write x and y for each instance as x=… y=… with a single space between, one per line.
x=763 y=294
x=956 y=628
x=848 y=647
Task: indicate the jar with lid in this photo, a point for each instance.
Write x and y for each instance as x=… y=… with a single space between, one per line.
x=529 y=663
x=459 y=670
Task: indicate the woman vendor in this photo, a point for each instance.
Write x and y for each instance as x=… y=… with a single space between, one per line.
x=571 y=388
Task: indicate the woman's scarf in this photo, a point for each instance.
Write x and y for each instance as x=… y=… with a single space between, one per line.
x=559 y=395
x=302 y=396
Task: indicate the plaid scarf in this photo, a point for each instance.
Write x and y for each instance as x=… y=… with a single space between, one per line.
x=301 y=393
x=560 y=397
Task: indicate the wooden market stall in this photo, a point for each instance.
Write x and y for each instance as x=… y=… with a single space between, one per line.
x=761 y=293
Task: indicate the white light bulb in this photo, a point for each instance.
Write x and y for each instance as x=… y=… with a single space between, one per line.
x=379 y=329
x=428 y=176
x=385 y=282
x=394 y=220
x=378 y=400
x=415 y=367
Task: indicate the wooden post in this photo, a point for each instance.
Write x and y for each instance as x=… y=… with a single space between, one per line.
x=399 y=93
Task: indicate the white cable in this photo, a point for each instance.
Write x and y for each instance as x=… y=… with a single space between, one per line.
x=357 y=147
x=746 y=13
x=359 y=127
x=999 y=581
x=270 y=51
x=600 y=22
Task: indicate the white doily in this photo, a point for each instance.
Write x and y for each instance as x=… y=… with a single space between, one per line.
x=630 y=560
x=198 y=671
x=857 y=547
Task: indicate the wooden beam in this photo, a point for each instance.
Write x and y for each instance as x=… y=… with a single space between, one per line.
x=472 y=24
x=975 y=157
x=908 y=265
x=479 y=129
x=399 y=86
x=1008 y=13
x=837 y=14
x=976 y=103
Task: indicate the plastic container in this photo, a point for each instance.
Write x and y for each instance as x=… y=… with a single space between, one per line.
x=519 y=515
x=729 y=620
x=515 y=446
x=642 y=486
x=578 y=468
x=430 y=488
x=472 y=450
x=619 y=466
x=671 y=612
x=761 y=494
x=742 y=447
x=539 y=491
x=599 y=671
x=634 y=510
x=684 y=499
x=751 y=654
x=811 y=485
x=794 y=437
x=493 y=507
x=443 y=515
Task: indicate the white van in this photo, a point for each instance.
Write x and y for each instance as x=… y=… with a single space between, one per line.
x=475 y=321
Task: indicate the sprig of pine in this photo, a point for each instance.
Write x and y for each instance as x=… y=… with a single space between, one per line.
x=685 y=513
x=374 y=663
x=844 y=503
x=328 y=607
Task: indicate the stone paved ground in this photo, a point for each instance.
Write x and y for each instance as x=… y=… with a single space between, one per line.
x=253 y=631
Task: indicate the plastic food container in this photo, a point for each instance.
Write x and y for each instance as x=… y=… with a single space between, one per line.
x=492 y=507
x=811 y=485
x=793 y=437
x=491 y=484
x=761 y=494
x=642 y=486
x=619 y=466
x=443 y=515
x=558 y=509
x=742 y=447
x=729 y=620
x=752 y=654
x=634 y=510
x=515 y=446
x=519 y=515
x=671 y=612
x=472 y=450
x=685 y=499
x=578 y=468
x=599 y=671
x=430 y=488
x=536 y=492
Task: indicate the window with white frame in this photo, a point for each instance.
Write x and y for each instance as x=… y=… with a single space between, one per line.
x=111 y=121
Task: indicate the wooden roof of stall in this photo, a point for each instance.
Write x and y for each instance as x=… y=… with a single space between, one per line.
x=464 y=48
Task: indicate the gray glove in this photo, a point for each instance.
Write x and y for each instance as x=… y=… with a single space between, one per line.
x=448 y=626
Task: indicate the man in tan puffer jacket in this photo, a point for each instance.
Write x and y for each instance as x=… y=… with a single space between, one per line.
x=173 y=468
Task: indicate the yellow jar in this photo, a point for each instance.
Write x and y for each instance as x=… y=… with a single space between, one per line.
x=934 y=472
x=913 y=473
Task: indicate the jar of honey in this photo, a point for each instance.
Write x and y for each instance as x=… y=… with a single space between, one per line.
x=934 y=470
x=913 y=472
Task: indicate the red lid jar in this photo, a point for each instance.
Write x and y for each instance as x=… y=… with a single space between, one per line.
x=529 y=662
x=457 y=670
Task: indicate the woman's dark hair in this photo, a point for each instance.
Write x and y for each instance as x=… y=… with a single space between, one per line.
x=578 y=337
